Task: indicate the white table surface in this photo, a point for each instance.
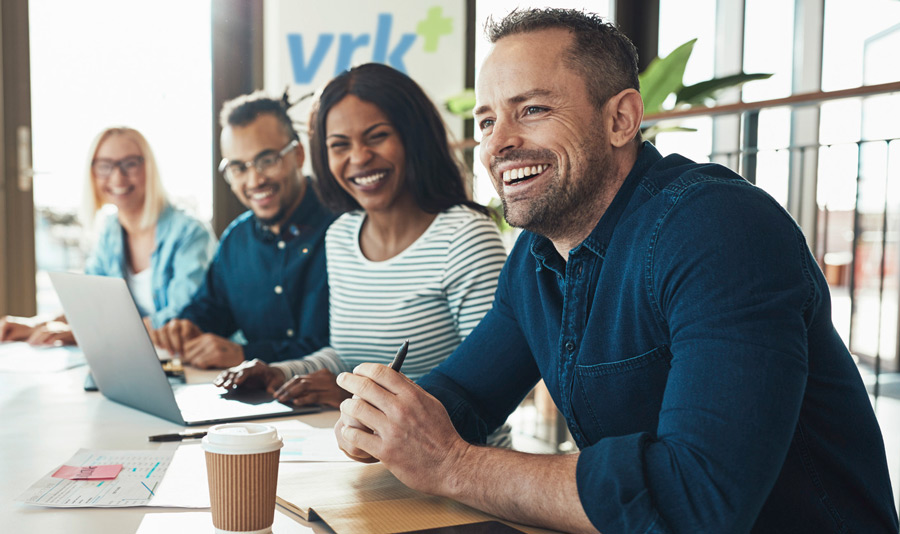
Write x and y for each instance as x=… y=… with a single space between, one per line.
x=47 y=417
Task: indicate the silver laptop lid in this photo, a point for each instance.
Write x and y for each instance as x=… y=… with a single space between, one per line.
x=108 y=327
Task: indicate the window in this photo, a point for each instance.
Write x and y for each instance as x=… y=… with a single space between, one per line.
x=99 y=63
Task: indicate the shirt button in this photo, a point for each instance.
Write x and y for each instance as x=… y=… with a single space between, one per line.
x=304 y=251
x=281 y=244
x=580 y=268
x=290 y=332
x=570 y=346
x=278 y=290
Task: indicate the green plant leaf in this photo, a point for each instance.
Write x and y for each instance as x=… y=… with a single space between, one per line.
x=462 y=104
x=650 y=133
x=699 y=93
x=664 y=76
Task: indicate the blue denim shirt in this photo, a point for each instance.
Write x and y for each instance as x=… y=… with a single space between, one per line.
x=272 y=288
x=184 y=247
x=688 y=342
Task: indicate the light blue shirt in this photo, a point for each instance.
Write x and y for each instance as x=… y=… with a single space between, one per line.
x=184 y=247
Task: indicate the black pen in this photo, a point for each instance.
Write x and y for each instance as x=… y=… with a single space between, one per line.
x=178 y=437
x=401 y=355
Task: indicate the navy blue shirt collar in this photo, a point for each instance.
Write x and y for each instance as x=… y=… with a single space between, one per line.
x=597 y=241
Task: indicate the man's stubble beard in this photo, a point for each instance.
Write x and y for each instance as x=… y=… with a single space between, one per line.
x=284 y=207
x=279 y=215
x=565 y=209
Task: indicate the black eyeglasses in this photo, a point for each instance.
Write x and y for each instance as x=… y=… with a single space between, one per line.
x=102 y=168
x=236 y=172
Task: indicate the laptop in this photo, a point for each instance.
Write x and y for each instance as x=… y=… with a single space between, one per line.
x=125 y=365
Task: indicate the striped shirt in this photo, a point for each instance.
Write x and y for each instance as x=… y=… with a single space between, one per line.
x=433 y=293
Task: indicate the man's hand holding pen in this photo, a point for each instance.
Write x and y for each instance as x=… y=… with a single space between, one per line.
x=411 y=432
x=356 y=454
x=392 y=420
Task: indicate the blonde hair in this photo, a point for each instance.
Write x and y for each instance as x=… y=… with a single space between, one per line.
x=155 y=196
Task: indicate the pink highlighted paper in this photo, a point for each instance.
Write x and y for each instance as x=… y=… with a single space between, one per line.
x=89 y=472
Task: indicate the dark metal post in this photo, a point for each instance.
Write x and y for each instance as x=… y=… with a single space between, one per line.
x=237 y=59
x=750 y=145
x=17 y=260
x=854 y=246
x=639 y=20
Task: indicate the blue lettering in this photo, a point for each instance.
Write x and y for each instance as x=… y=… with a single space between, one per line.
x=303 y=72
x=382 y=38
x=396 y=58
x=346 y=48
x=382 y=34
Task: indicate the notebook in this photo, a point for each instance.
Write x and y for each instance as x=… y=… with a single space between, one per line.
x=126 y=368
x=354 y=497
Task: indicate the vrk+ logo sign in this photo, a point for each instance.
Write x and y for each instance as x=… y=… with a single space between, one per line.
x=383 y=44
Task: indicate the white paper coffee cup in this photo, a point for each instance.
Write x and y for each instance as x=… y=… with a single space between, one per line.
x=242 y=469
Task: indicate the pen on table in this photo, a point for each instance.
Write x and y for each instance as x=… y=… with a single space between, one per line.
x=178 y=437
x=401 y=355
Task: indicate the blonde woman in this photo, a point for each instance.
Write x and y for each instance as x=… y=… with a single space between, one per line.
x=158 y=249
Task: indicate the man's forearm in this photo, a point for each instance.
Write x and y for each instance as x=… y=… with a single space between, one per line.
x=412 y=434
x=526 y=488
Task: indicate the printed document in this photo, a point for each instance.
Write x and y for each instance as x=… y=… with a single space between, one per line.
x=135 y=485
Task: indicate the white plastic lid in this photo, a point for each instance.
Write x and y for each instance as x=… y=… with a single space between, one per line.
x=241 y=438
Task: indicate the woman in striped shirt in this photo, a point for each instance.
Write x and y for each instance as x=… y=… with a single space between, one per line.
x=410 y=258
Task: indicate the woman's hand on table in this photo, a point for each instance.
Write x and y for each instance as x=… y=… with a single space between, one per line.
x=319 y=387
x=253 y=374
x=53 y=333
x=15 y=328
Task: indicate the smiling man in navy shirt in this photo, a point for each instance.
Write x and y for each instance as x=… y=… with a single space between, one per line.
x=674 y=311
x=268 y=277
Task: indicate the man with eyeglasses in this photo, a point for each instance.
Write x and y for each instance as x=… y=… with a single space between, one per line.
x=268 y=279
